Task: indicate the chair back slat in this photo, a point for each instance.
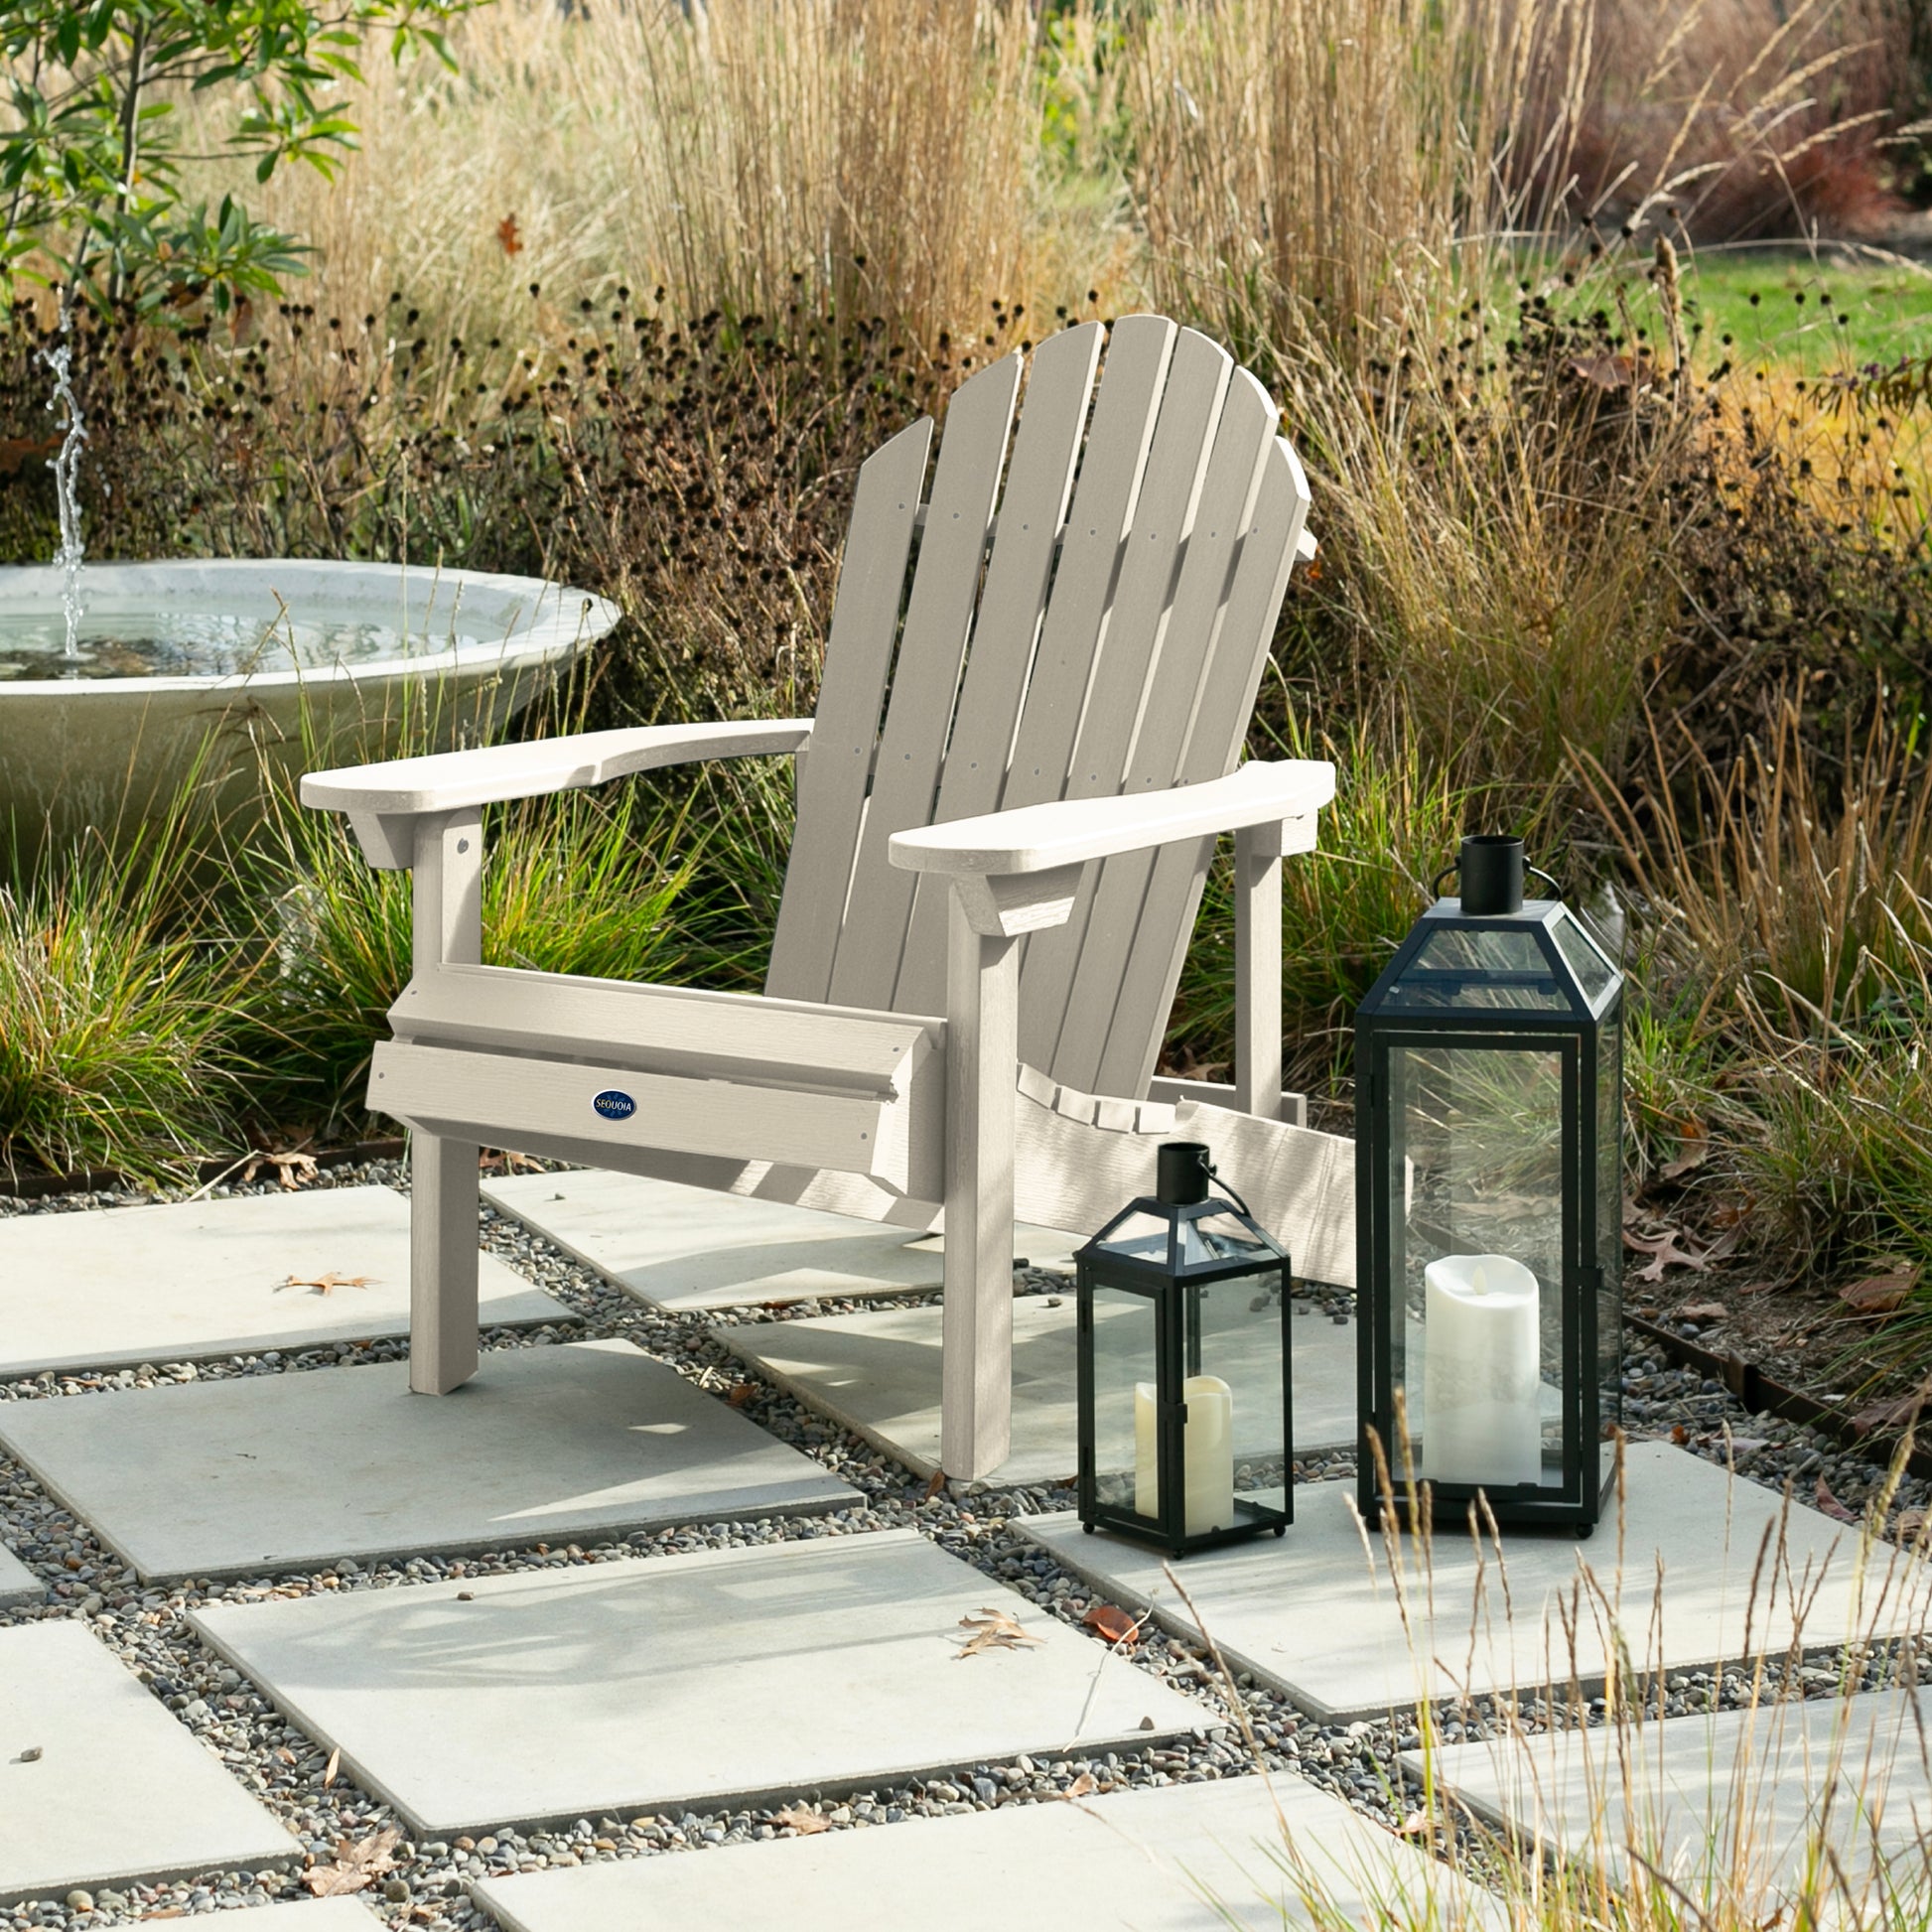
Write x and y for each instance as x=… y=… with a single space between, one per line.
x=1118 y=644
x=1032 y=506
x=837 y=768
x=926 y=680
x=1125 y=410
x=1243 y=439
x=1183 y=437
x=1216 y=737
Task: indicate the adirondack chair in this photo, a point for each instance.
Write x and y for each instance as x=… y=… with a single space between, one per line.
x=1005 y=808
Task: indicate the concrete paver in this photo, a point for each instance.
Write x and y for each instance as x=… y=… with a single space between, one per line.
x=877 y=1373
x=1317 y=1613
x=1153 y=1861
x=188 y=1281
x=733 y=1675
x=680 y=1247
x=1742 y=1798
x=252 y=1474
x=99 y=1785
x=18 y=1583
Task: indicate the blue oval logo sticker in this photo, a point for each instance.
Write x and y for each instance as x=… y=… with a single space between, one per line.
x=613 y=1104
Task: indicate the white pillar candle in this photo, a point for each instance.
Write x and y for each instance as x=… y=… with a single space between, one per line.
x=1481 y=1385
x=1207 y=1453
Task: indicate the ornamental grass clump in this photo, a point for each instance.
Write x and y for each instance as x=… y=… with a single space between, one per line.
x=127 y=1007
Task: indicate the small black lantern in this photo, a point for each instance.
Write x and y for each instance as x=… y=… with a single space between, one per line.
x=1490 y=1109
x=1183 y=1360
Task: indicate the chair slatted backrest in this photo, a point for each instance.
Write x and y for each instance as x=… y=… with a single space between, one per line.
x=1110 y=642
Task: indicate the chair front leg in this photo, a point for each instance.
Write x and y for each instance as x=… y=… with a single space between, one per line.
x=447 y=910
x=982 y=1054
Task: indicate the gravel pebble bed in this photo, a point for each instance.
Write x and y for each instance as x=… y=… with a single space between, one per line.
x=1243 y=1725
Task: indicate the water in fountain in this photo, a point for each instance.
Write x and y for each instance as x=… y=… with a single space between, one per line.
x=65 y=465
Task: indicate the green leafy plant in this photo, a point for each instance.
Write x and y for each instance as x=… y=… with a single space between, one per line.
x=90 y=158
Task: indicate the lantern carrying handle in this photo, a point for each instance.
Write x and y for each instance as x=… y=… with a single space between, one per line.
x=1214 y=1174
x=1450 y=870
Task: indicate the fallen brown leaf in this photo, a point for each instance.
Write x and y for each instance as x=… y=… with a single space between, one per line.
x=330 y=1768
x=1890 y=1414
x=1416 y=1825
x=1702 y=1311
x=1880 y=1293
x=1112 y=1623
x=355 y=1866
x=1081 y=1787
x=1678 y=1433
x=292 y=1166
x=1665 y=1253
x=740 y=1393
x=801 y=1821
x=1830 y=1504
x=1907 y=1524
x=326 y=1284
x=994 y=1630
x=496 y=1160
x=935 y=1483
x=508 y=234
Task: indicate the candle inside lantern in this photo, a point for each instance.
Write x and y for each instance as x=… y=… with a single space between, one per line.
x=1481 y=1411
x=1207 y=1453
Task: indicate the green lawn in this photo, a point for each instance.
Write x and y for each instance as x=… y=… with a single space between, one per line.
x=1781 y=308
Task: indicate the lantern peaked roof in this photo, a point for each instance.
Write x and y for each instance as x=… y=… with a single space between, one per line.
x=1535 y=967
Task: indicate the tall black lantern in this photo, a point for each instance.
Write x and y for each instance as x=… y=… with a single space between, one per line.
x=1183 y=1383
x=1488 y=1068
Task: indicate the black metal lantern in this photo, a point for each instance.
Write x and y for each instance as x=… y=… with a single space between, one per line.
x=1183 y=1383
x=1488 y=1070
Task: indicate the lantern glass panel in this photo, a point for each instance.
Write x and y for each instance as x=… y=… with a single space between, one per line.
x=1473 y=969
x=1238 y=1324
x=1203 y=1240
x=1609 y=1232
x=1478 y=1342
x=1595 y=974
x=1125 y=1351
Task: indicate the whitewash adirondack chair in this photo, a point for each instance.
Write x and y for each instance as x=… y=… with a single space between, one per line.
x=1006 y=804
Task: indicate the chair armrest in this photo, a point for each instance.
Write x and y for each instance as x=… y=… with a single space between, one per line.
x=491 y=773
x=1070 y=831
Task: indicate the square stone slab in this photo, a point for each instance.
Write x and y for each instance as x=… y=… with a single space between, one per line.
x=1148 y=1860
x=18 y=1583
x=877 y=1373
x=120 y=1791
x=1315 y=1612
x=190 y=1280
x=269 y=1473
x=1738 y=1796
x=726 y=1677
x=679 y=1247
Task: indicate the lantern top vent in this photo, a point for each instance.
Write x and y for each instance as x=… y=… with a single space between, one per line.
x=1535 y=965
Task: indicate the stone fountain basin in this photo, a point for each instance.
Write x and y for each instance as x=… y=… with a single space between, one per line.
x=113 y=753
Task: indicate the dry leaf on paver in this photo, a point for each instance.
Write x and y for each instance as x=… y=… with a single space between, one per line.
x=994 y=1630
x=1112 y=1623
x=1830 y=1504
x=326 y=1284
x=1883 y=1293
x=1083 y=1786
x=356 y=1865
x=329 y=1769
x=801 y=1821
